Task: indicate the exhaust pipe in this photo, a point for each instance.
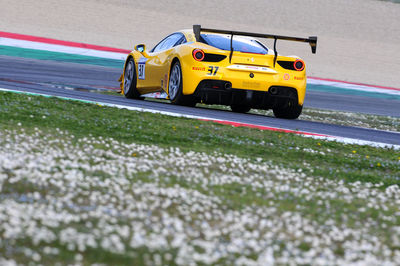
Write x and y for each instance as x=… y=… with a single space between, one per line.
x=228 y=86
x=273 y=90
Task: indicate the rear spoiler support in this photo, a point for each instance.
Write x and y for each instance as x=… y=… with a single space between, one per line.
x=312 y=40
x=230 y=55
x=275 y=51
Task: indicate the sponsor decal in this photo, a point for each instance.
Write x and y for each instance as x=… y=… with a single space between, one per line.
x=199 y=68
x=142 y=68
x=286 y=76
x=298 y=78
x=165 y=81
x=254 y=68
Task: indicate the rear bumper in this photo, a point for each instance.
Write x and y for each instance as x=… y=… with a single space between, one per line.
x=221 y=92
x=250 y=86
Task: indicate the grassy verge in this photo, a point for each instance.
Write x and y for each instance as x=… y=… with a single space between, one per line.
x=86 y=184
x=327 y=159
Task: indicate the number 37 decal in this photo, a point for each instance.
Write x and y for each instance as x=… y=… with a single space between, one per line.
x=212 y=70
x=141 y=68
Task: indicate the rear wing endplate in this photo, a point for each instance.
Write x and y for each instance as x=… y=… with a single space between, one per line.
x=312 y=40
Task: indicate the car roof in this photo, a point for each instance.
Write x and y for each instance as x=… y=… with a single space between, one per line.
x=190 y=35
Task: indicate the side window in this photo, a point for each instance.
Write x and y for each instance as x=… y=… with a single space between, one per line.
x=157 y=48
x=169 y=42
x=181 y=41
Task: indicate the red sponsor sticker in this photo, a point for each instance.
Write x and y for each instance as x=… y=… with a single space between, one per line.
x=298 y=78
x=199 y=68
x=286 y=76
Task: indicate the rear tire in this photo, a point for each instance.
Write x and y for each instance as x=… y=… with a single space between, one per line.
x=175 y=91
x=240 y=108
x=130 y=90
x=291 y=111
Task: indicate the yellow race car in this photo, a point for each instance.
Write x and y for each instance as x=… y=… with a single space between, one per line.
x=214 y=66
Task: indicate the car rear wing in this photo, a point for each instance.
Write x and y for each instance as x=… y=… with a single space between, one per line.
x=312 y=40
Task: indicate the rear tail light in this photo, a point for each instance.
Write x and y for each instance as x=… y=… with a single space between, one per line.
x=298 y=65
x=198 y=54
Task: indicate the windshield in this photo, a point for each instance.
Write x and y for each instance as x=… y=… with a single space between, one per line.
x=244 y=45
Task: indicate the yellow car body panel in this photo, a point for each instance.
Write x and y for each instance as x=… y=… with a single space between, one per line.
x=245 y=71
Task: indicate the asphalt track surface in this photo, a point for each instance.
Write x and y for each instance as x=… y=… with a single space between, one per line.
x=75 y=80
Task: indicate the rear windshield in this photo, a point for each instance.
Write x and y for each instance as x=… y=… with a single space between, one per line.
x=244 y=45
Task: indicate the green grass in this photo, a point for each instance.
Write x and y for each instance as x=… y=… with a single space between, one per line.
x=316 y=157
x=76 y=157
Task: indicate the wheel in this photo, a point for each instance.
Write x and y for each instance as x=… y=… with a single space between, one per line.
x=291 y=111
x=130 y=90
x=240 y=108
x=175 y=87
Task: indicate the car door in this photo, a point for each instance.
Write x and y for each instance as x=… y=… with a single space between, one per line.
x=153 y=70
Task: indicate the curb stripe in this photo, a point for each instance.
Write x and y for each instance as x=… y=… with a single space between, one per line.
x=382 y=94
x=23 y=44
x=353 y=83
x=238 y=124
x=59 y=42
x=60 y=57
x=317 y=83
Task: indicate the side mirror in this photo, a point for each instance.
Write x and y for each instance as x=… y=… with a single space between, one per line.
x=140 y=48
